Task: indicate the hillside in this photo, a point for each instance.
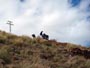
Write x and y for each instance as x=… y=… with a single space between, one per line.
x=26 y=52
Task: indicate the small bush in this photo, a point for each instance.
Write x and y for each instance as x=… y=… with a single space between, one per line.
x=4 y=54
x=3 y=39
x=87 y=64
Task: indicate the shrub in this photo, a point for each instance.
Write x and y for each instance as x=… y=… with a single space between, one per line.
x=87 y=64
x=3 y=39
x=4 y=54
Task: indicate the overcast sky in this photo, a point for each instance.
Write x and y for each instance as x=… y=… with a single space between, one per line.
x=63 y=20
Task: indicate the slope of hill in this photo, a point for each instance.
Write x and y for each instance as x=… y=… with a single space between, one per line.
x=25 y=52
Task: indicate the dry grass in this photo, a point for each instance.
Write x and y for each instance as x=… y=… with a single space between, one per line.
x=25 y=52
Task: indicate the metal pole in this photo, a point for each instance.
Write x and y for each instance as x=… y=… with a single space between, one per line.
x=10 y=28
x=10 y=24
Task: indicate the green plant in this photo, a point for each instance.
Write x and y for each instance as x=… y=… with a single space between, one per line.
x=3 y=39
x=4 y=54
x=59 y=67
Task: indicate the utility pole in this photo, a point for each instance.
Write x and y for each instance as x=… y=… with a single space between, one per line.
x=10 y=24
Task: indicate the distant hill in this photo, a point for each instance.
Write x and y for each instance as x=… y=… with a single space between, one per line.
x=25 y=52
